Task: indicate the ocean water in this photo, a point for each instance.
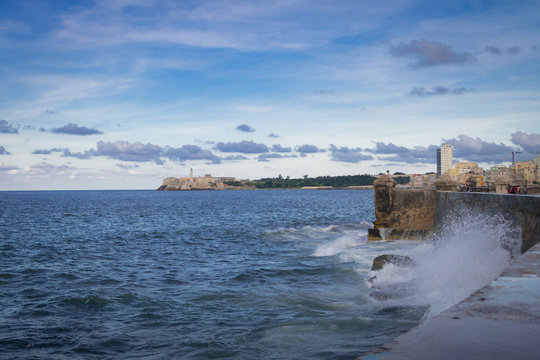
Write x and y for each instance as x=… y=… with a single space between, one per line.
x=281 y=274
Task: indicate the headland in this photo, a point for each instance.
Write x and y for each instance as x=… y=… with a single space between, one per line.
x=208 y=182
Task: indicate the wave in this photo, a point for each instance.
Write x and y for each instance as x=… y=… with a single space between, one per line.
x=469 y=252
x=338 y=246
x=317 y=235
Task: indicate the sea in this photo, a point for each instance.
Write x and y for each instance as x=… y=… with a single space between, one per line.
x=262 y=274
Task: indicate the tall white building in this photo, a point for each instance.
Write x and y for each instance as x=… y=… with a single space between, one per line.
x=444 y=159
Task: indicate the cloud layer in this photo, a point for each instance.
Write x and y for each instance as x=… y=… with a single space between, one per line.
x=245 y=128
x=244 y=147
x=190 y=152
x=476 y=149
x=529 y=142
x=7 y=128
x=493 y=50
x=350 y=155
x=74 y=129
x=437 y=90
x=430 y=53
x=3 y=151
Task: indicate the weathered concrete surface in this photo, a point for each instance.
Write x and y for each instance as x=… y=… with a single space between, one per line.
x=412 y=209
x=416 y=214
x=522 y=211
x=401 y=213
x=499 y=321
x=533 y=189
x=383 y=191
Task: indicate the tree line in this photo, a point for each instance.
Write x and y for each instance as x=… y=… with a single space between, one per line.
x=335 y=181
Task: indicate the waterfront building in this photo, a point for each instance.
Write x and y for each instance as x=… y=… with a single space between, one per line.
x=417 y=181
x=536 y=161
x=422 y=180
x=491 y=174
x=429 y=179
x=525 y=172
x=466 y=167
x=444 y=159
x=195 y=183
x=481 y=180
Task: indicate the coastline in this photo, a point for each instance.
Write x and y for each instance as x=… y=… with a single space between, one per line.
x=356 y=187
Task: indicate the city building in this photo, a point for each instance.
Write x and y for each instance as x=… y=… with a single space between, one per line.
x=422 y=180
x=520 y=174
x=491 y=176
x=481 y=180
x=525 y=172
x=536 y=161
x=466 y=167
x=444 y=159
x=417 y=181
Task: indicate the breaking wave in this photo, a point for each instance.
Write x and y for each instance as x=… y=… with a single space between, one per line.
x=470 y=251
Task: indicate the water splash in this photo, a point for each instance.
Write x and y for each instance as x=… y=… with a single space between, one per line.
x=470 y=250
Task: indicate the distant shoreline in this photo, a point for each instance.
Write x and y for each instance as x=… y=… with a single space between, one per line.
x=233 y=188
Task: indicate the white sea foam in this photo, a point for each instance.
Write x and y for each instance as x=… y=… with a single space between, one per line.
x=337 y=246
x=470 y=251
x=366 y=225
x=316 y=234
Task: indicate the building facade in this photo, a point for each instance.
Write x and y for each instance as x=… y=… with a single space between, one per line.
x=525 y=172
x=536 y=161
x=444 y=159
x=465 y=167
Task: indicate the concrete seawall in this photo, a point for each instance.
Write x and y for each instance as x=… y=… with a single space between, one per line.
x=523 y=212
x=415 y=214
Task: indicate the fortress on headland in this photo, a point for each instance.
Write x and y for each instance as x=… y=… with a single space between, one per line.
x=207 y=182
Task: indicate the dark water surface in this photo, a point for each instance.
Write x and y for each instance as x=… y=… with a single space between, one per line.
x=190 y=275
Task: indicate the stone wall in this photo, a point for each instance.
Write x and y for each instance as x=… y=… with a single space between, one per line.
x=521 y=211
x=401 y=213
x=413 y=209
x=416 y=214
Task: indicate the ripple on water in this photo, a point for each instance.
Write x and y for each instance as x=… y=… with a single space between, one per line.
x=86 y=302
x=185 y=275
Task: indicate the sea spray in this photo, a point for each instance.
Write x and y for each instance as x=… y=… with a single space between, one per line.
x=338 y=245
x=467 y=253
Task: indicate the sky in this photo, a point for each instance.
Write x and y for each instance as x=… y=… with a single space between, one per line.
x=120 y=94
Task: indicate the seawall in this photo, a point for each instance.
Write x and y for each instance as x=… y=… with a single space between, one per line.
x=521 y=211
x=415 y=214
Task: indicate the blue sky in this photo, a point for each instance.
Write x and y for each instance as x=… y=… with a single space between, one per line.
x=120 y=94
